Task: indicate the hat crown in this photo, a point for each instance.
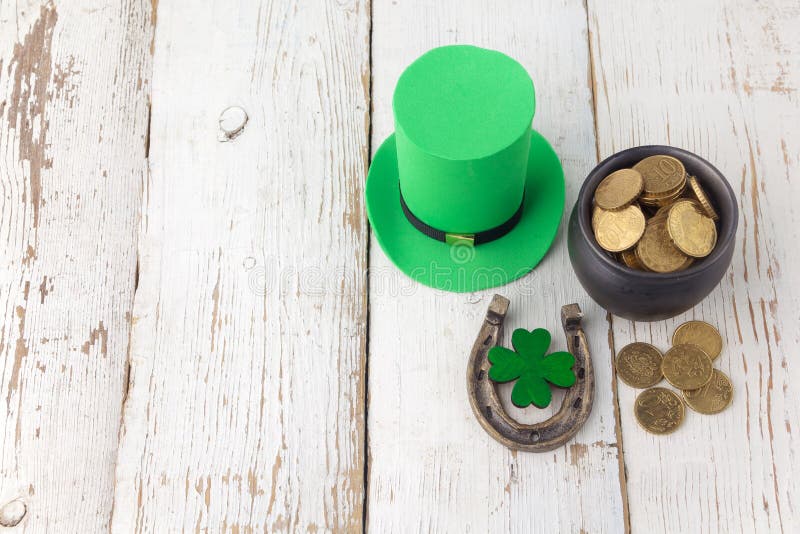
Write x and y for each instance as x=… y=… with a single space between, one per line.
x=462 y=120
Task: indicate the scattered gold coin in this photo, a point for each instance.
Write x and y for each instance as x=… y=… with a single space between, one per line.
x=656 y=251
x=621 y=229
x=712 y=398
x=686 y=367
x=702 y=198
x=618 y=189
x=691 y=231
x=659 y=410
x=679 y=219
x=701 y=334
x=639 y=365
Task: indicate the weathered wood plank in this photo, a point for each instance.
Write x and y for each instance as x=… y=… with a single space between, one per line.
x=74 y=82
x=720 y=79
x=246 y=407
x=432 y=467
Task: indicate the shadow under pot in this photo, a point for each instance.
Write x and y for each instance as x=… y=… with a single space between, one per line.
x=643 y=295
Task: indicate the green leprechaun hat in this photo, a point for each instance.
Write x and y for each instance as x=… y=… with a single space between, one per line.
x=465 y=195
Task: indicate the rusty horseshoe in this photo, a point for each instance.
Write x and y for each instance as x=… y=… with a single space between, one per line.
x=577 y=403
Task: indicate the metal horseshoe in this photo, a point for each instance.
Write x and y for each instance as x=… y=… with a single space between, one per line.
x=577 y=403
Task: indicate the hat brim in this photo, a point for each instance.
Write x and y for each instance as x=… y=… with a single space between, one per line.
x=460 y=268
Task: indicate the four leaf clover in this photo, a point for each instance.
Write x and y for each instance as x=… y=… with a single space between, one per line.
x=528 y=363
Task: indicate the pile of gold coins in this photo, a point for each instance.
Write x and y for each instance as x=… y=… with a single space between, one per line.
x=687 y=366
x=654 y=217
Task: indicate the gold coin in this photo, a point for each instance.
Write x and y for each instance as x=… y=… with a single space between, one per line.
x=664 y=199
x=639 y=365
x=630 y=259
x=702 y=198
x=662 y=175
x=682 y=267
x=686 y=367
x=656 y=250
x=658 y=410
x=618 y=189
x=691 y=231
x=621 y=229
x=701 y=334
x=688 y=263
x=596 y=211
x=662 y=211
x=713 y=397
x=671 y=198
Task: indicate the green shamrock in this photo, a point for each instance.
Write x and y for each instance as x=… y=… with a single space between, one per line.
x=531 y=367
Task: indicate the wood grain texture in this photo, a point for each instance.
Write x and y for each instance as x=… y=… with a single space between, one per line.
x=246 y=404
x=720 y=79
x=432 y=467
x=74 y=83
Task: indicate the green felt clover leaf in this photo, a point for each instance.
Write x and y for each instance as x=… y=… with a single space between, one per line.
x=528 y=365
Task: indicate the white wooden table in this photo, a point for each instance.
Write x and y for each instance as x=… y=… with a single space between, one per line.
x=198 y=333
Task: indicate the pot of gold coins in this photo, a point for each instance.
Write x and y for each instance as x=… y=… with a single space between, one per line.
x=652 y=232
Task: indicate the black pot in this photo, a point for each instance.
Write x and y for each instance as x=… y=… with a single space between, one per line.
x=646 y=296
